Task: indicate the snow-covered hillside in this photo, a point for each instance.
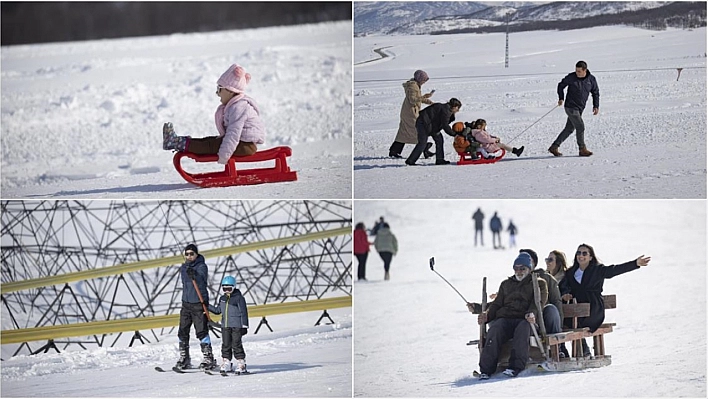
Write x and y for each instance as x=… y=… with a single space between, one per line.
x=410 y=333
x=649 y=138
x=84 y=119
x=297 y=360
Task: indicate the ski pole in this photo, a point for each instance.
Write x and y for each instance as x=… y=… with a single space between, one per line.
x=432 y=265
x=517 y=136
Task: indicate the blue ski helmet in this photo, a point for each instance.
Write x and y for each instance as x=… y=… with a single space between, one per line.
x=228 y=280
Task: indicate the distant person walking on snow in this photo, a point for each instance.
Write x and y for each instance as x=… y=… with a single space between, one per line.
x=495 y=225
x=361 y=250
x=478 y=218
x=387 y=246
x=512 y=234
x=430 y=122
x=238 y=122
x=580 y=84
x=409 y=114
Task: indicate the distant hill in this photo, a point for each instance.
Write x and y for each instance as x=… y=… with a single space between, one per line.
x=393 y=18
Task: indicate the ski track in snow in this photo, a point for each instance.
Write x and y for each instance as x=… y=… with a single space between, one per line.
x=649 y=138
x=410 y=333
x=84 y=119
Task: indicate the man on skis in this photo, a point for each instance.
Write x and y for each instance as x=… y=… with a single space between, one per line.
x=194 y=270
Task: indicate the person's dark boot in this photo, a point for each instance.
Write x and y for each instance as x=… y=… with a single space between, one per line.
x=394 y=155
x=586 y=349
x=473 y=153
x=584 y=152
x=426 y=152
x=442 y=162
x=554 y=150
x=517 y=151
x=208 y=363
x=184 y=361
x=563 y=351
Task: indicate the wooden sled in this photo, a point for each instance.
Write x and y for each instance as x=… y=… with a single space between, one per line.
x=465 y=158
x=547 y=356
x=231 y=176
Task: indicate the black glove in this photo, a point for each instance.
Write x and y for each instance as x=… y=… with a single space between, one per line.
x=244 y=331
x=191 y=272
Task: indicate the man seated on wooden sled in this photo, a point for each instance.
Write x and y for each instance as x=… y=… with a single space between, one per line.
x=512 y=315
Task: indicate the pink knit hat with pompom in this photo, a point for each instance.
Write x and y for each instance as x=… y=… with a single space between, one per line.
x=234 y=79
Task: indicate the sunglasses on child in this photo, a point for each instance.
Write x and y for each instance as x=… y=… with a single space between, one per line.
x=189 y=254
x=584 y=253
x=227 y=287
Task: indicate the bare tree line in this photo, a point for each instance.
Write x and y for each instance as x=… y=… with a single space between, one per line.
x=28 y=22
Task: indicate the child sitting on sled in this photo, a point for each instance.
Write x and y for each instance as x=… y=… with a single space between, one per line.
x=488 y=143
x=237 y=120
x=464 y=142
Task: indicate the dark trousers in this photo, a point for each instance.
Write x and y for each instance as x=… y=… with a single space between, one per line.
x=192 y=313
x=551 y=319
x=502 y=330
x=210 y=145
x=231 y=343
x=574 y=122
x=481 y=236
x=361 y=268
x=386 y=257
x=496 y=238
x=422 y=141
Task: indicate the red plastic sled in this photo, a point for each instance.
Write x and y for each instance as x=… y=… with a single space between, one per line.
x=465 y=158
x=233 y=177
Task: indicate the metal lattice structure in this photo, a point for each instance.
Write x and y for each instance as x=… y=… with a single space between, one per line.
x=45 y=238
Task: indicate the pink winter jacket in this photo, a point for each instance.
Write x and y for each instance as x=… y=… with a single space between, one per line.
x=488 y=142
x=238 y=120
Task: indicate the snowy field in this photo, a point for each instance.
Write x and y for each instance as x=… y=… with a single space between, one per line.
x=649 y=139
x=410 y=333
x=297 y=360
x=84 y=119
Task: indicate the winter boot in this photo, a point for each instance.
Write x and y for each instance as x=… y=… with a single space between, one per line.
x=472 y=150
x=170 y=140
x=584 y=152
x=510 y=372
x=483 y=376
x=586 y=349
x=394 y=155
x=183 y=362
x=225 y=365
x=240 y=366
x=517 y=151
x=426 y=152
x=554 y=150
x=442 y=162
x=563 y=352
x=208 y=363
x=387 y=276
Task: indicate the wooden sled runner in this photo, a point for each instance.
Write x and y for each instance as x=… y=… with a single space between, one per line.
x=231 y=176
x=547 y=356
x=465 y=158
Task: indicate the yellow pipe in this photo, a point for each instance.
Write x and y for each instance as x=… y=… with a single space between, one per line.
x=146 y=323
x=6 y=288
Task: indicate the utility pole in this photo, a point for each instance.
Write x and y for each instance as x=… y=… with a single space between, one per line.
x=506 y=56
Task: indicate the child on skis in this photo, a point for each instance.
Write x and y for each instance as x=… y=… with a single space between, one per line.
x=237 y=119
x=234 y=325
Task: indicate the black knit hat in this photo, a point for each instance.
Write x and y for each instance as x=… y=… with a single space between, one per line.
x=531 y=253
x=192 y=247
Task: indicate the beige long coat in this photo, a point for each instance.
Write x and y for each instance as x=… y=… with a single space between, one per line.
x=409 y=113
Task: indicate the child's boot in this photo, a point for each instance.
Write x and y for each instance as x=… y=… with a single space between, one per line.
x=170 y=140
x=225 y=365
x=240 y=366
x=517 y=151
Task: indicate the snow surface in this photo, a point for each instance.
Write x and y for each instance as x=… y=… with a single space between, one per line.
x=410 y=332
x=297 y=360
x=649 y=139
x=84 y=119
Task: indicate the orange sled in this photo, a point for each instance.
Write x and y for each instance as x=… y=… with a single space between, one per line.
x=465 y=158
x=233 y=177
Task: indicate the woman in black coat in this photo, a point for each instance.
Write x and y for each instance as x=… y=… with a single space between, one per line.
x=585 y=280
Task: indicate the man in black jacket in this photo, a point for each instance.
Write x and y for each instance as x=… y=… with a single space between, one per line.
x=580 y=84
x=431 y=120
